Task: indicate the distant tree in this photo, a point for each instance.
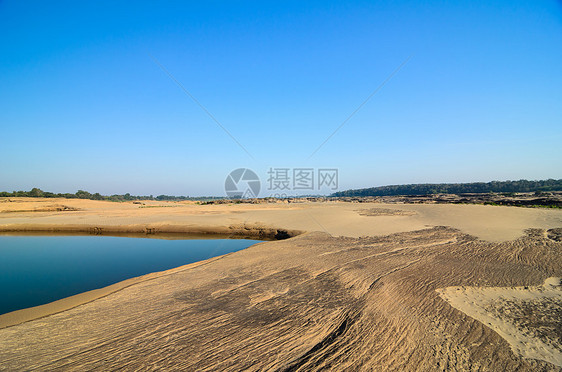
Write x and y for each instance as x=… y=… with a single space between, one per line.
x=81 y=194
x=36 y=193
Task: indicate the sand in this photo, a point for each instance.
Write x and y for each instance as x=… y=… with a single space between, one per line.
x=529 y=318
x=355 y=289
x=491 y=223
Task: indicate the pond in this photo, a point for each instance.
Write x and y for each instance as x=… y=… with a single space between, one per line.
x=35 y=270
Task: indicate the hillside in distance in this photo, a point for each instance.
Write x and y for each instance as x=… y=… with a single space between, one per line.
x=457 y=188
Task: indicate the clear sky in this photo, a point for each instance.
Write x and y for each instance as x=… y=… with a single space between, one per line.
x=83 y=105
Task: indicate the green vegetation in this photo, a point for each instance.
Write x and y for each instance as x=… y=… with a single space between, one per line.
x=507 y=187
x=547 y=206
x=504 y=188
x=81 y=194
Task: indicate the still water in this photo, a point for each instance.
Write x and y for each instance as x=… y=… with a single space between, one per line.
x=36 y=270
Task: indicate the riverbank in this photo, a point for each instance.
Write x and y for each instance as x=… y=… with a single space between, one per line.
x=357 y=290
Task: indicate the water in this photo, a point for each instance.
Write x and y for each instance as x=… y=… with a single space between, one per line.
x=36 y=270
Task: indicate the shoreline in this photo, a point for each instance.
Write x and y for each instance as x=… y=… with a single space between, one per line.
x=17 y=317
x=254 y=231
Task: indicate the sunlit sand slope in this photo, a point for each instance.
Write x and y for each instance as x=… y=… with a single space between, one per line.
x=308 y=303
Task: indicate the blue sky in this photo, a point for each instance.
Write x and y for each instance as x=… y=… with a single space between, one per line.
x=83 y=105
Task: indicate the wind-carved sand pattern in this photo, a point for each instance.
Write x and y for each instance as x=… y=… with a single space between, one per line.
x=375 y=212
x=528 y=318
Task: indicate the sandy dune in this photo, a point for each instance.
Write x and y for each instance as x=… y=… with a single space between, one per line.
x=360 y=290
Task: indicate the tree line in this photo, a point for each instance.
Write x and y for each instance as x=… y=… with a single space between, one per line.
x=81 y=194
x=391 y=190
x=457 y=188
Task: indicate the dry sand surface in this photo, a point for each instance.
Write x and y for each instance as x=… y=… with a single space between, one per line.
x=491 y=223
x=529 y=318
x=364 y=287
